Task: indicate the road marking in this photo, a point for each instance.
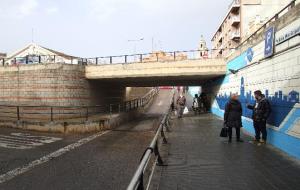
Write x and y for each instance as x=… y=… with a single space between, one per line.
x=20 y=170
x=24 y=140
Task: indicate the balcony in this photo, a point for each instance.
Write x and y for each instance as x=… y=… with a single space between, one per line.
x=235 y=6
x=220 y=36
x=220 y=48
x=235 y=21
x=235 y=35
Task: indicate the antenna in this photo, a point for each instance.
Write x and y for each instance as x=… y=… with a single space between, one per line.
x=32 y=40
x=152 y=44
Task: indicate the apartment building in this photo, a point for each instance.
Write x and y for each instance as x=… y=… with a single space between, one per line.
x=243 y=17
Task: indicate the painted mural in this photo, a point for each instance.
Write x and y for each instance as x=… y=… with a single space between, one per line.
x=284 y=121
x=281 y=104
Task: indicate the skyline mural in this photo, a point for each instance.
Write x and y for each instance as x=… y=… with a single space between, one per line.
x=281 y=104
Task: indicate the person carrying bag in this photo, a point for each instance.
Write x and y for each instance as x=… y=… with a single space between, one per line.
x=233 y=117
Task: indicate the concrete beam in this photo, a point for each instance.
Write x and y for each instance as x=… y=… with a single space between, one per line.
x=164 y=71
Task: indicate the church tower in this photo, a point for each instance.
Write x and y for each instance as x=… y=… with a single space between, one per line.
x=203 y=50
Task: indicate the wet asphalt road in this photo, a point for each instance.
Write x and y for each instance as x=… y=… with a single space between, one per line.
x=106 y=162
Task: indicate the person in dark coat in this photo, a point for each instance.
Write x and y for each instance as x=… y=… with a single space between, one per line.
x=261 y=112
x=196 y=104
x=233 y=117
x=204 y=101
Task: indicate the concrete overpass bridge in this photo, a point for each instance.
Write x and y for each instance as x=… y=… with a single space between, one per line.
x=183 y=72
x=191 y=67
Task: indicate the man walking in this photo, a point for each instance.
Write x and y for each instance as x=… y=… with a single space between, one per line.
x=181 y=101
x=261 y=112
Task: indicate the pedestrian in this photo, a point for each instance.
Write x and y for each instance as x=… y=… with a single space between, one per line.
x=204 y=101
x=181 y=101
x=173 y=103
x=261 y=112
x=178 y=89
x=196 y=104
x=233 y=117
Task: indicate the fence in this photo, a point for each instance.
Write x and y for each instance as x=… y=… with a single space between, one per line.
x=160 y=56
x=137 y=182
x=72 y=114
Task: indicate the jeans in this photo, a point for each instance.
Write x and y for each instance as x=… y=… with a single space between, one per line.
x=260 y=127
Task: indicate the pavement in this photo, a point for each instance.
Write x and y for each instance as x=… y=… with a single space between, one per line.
x=105 y=160
x=198 y=159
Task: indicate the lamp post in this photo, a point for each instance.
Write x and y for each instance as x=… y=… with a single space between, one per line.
x=135 y=45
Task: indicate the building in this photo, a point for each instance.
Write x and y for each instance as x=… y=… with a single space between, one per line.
x=203 y=50
x=242 y=19
x=34 y=53
x=200 y=53
x=2 y=55
x=164 y=56
x=2 y=58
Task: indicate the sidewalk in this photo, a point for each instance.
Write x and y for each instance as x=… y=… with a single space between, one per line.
x=199 y=159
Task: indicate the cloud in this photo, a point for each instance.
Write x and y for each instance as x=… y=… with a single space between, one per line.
x=27 y=7
x=51 y=10
x=105 y=9
x=17 y=9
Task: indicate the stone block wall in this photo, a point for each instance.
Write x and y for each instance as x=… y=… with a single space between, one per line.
x=54 y=85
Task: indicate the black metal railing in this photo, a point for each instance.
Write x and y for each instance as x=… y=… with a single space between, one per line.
x=72 y=114
x=138 y=180
x=160 y=56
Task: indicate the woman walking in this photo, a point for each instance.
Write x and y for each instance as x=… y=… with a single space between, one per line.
x=233 y=117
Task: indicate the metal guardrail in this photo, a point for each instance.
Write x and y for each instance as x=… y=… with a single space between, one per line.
x=69 y=113
x=137 y=181
x=160 y=56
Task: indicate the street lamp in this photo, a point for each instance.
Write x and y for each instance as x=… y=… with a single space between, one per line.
x=135 y=45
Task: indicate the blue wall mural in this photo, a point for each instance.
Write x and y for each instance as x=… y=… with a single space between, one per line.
x=283 y=107
x=281 y=104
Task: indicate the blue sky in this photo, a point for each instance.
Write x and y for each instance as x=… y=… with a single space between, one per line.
x=92 y=28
